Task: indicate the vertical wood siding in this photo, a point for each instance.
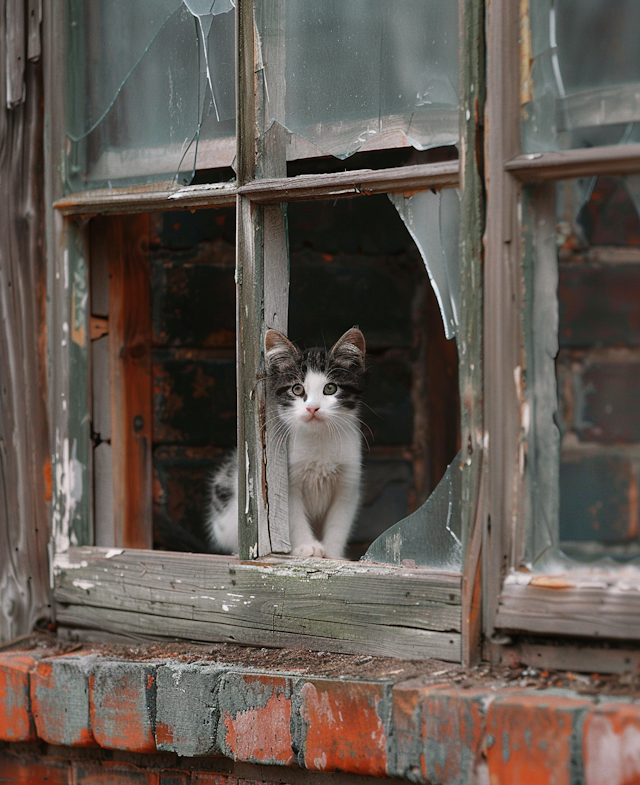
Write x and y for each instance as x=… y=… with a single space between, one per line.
x=25 y=469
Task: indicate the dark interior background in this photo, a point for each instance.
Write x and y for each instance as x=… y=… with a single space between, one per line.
x=352 y=263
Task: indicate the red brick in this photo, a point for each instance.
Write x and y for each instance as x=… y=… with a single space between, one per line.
x=60 y=700
x=92 y=772
x=255 y=712
x=16 y=721
x=31 y=772
x=530 y=739
x=344 y=726
x=439 y=731
x=611 y=745
x=122 y=705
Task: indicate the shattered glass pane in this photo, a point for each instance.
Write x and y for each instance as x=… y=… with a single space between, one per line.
x=580 y=84
x=150 y=90
x=431 y=536
x=433 y=221
x=583 y=372
x=360 y=72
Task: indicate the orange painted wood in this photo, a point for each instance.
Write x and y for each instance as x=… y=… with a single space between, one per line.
x=131 y=381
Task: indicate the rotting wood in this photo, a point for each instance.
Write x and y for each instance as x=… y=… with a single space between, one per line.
x=322 y=605
x=592 y=606
x=25 y=465
x=131 y=383
x=536 y=167
x=472 y=586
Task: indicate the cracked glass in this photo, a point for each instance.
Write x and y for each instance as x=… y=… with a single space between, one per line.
x=345 y=75
x=581 y=421
x=432 y=536
x=150 y=90
x=580 y=74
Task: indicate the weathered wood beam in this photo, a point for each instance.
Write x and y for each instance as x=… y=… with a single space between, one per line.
x=344 y=184
x=602 y=606
x=25 y=462
x=321 y=604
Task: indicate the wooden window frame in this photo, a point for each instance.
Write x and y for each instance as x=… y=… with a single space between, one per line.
x=576 y=603
x=125 y=591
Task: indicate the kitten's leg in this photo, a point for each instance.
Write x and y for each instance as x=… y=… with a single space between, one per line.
x=303 y=542
x=341 y=515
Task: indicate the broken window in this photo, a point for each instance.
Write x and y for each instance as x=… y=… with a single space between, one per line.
x=582 y=273
x=150 y=90
x=580 y=81
x=364 y=74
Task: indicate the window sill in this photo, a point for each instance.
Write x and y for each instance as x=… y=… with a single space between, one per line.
x=196 y=707
x=317 y=604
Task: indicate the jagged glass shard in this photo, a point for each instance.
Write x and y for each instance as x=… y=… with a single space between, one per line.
x=431 y=536
x=357 y=70
x=150 y=89
x=581 y=86
x=433 y=220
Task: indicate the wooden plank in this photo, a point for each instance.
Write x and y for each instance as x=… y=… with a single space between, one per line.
x=101 y=388
x=131 y=382
x=322 y=605
x=25 y=456
x=502 y=303
x=469 y=339
x=561 y=656
x=252 y=502
x=34 y=20
x=103 y=510
x=537 y=167
x=419 y=177
x=269 y=190
x=566 y=605
x=472 y=586
x=14 y=35
x=276 y=311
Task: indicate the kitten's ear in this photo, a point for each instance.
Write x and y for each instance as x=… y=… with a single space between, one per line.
x=351 y=346
x=278 y=347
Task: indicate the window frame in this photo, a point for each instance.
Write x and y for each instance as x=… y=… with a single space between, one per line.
x=91 y=585
x=515 y=601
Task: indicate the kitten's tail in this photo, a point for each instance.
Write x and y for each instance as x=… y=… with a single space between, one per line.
x=221 y=522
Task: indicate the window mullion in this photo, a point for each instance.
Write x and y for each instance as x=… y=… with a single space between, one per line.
x=502 y=300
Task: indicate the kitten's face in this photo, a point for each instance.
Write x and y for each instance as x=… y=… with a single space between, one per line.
x=317 y=387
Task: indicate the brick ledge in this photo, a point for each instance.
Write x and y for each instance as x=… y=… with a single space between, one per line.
x=424 y=732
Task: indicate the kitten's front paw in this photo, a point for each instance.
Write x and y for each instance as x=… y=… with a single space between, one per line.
x=309 y=550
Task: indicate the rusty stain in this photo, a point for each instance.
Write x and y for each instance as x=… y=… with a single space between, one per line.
x=551 y=582
x=526 y=84
x=47 y=478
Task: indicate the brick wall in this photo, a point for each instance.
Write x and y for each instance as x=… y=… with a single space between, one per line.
x=89 y=718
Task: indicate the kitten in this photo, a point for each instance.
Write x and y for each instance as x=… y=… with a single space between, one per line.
x=317 y=394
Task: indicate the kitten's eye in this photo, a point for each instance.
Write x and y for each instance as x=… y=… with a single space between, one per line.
x=297 y=389
x=330 y=389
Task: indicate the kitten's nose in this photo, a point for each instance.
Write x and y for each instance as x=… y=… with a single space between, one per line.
x=312 y=409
